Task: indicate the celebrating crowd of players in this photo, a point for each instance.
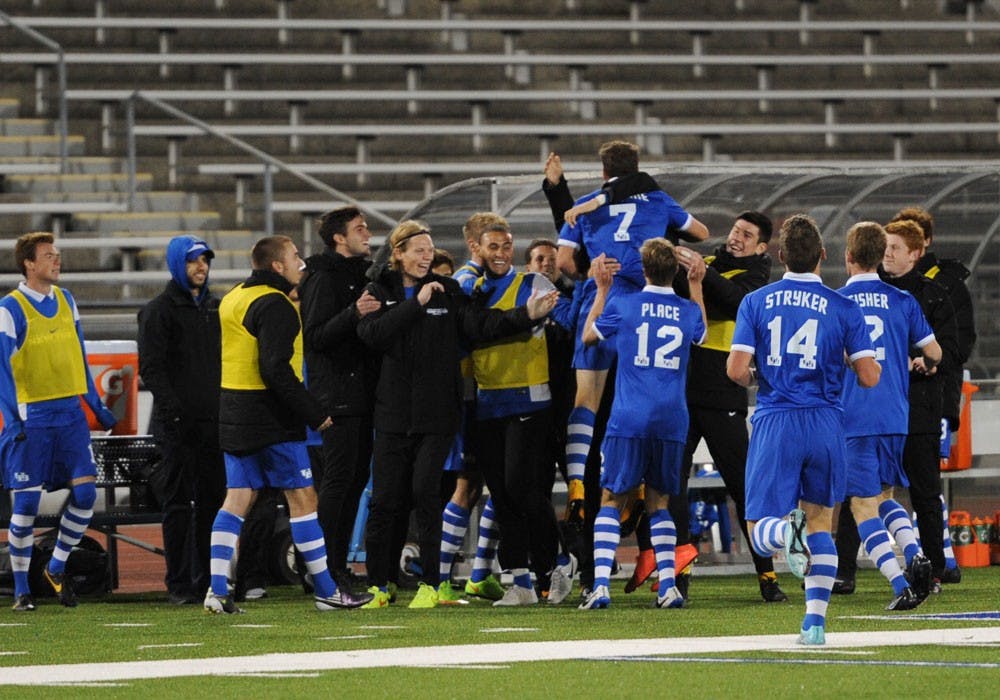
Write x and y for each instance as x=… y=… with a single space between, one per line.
x=612 y=355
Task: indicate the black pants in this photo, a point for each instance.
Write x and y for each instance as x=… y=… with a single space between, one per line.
x=726 y=435
x=406 y=472
x=347 y=453
x=514 y=458
x=195 y=489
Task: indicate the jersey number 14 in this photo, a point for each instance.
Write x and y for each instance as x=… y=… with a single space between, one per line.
x=802 y=343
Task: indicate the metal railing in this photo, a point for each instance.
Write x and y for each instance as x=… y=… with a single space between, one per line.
x=60 y=71
x=270 y=162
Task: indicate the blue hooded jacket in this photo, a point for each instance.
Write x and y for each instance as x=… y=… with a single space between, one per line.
x=182 y=250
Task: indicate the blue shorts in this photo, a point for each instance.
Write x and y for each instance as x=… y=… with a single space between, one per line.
x=795 y=455
x=874 y=461
x=601 y=355
x=50 y=456
x=284 y=465
x=628 y=462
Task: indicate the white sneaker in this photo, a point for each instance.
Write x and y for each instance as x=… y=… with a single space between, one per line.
x=517 y=596
x=560 y=586
x=599 y=599
x=671 y=599
x=256 y=593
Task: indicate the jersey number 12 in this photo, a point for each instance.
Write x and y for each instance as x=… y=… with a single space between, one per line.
x=674 y=337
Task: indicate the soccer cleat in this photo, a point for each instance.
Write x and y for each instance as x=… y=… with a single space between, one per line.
x=23 y=603
x=769 y=589
x=935 y=586
x=918 y=573
x=815 y=635
x=671 y=599
x=645 y=566
x=62 y=588
x=448 y=595
x=341 y=599
x=489 y=588
x=953 y=575
x=221 y=604
x=517 y=596
x=599 y=599
x=843 y=586
x=255 y=593
x=379 y=598
x=907 y=600
x=560 y=586
x=426 y=597
x=796 y=551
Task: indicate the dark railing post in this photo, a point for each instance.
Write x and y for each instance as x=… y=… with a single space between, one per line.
x=130 y=141
x=268 y=200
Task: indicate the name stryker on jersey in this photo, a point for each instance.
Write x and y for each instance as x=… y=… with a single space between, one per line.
x=796 y=297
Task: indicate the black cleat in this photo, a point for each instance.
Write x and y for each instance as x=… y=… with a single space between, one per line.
x=770 y=591
x=918 y=573
x=907 y=600
x=843 y=586
x=953 y=575
x=342 y=598
x=62 y=588
x=23 y=603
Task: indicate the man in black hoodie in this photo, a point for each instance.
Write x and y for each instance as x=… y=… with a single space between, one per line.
x=179 y=362
x=341 y=372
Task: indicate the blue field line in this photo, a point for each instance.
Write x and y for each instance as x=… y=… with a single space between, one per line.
x=813 y=662
x=984 y=615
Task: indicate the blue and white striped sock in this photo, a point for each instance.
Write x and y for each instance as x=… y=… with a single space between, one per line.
x=454 y=524
x=768 y=535
x=21 y=536
x=225 y=535
x=73 y=523
x=819 y=580
x=308 y=538
x=522 y=577
x=949 y=551
x=879 y=549
x=486 y=545
x=579 y=434
x=897 y=522
x=607 y=532
x=663 y=535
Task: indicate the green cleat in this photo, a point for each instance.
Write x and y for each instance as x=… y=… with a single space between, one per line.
x=489 y=588
x=426 y=597
x=380 y=599
x=815 y=635
x=447 y=595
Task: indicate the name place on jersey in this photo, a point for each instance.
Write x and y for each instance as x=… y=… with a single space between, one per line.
x=796 y=297
x=651 y=310
x=871 y=299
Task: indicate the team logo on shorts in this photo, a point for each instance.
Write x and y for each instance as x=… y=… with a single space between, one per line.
x=21 y=477
x=306 y=473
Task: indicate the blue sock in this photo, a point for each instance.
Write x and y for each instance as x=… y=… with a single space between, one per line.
x=663 y=535
x=579 y=434
x=73 y=523
x=768 y=535
x=225 y=535
x=522 y=577
x=21 y=536
x=949 y=551
x=898 y=524
x=486 y=545
x=454 y=524
x=819 y=580
x=607 y=533
x=879 y=549
x=308 y=538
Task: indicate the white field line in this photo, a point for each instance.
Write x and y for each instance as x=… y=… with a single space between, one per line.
x=474 y=654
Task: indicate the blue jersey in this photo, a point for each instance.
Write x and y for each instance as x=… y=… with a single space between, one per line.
x=468 y=275
x=895 y=322
x=799 y=330
x=618 y=230
x=653 y=330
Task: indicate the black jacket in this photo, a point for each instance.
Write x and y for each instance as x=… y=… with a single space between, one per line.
x=250 y=420
x=926 y=408
x=180 y=358
x=420 y=384
x=708 y=384
x=341 y=371
x=951 y=275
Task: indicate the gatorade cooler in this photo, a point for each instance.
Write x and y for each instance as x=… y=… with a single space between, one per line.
x=114 y=365
x=981 y=545
x=960 y=454
x=995 y=540
x=962 y=538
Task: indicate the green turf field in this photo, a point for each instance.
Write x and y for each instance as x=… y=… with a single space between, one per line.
x=487 y=646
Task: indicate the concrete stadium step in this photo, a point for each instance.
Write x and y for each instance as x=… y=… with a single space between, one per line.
x=82 y=165
x=9 y=108
x=88 y=182
x=108 y=224
x=25 y=127
x=158 y=201
x=39 y=145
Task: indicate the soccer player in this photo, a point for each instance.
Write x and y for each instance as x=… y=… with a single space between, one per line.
x=615 y=231
x=653 y=330
x=45 y=441
x=798 y=331
x=264 y=408
x=875 y=420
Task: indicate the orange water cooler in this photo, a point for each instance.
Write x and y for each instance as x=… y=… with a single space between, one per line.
x=114 y=365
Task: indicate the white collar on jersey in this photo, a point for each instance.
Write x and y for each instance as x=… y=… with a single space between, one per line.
x=864 y=277
x=658 y=290
x=33 y=295
x=802 y=277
